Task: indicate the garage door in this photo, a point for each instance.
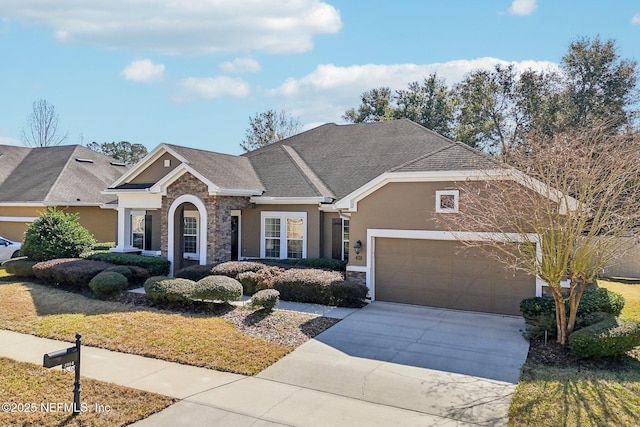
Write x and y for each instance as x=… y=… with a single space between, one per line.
x=447 y=274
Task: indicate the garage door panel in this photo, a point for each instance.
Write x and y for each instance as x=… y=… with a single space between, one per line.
x=447 y=274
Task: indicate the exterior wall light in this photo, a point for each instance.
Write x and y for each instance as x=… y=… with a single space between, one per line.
x=357 y=247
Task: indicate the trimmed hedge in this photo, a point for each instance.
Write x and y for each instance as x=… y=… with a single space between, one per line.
x=217 y=288
x=19 y=267
x=348 y=294
x=266 y=298
x=156 y=266
x=322 y=263
x=254 y=281
x=233 y=268
x=108 y=283
x=195 y=272
x=539 y=312
x=74 y=272
x=135 y=275
x=611 y=337
x=162 y=288
x=306 y=285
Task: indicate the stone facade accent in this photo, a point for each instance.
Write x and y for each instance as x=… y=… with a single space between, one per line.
x=218 y=216
x=359 y=277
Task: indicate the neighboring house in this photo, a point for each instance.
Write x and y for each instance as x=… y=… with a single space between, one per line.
x=366 y=193
x=70 y=177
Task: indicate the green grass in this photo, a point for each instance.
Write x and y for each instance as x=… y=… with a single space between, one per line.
x=199 y=340
x=583 y=395
x=33 y=394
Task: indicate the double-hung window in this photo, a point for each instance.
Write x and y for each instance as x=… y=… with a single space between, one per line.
x=284 y=235
x=345 y=240
x=190 y=234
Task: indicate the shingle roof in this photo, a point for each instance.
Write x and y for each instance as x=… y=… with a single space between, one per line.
x=224 y=170
x=345 y=157
x=52 y=175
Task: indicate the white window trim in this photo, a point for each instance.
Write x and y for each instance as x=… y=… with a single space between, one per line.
x=456 y=197
x=193 y=255
x=283 y=216
x=343 y=239
x=131 y=215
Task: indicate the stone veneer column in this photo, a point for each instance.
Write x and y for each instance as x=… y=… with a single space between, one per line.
x=218 y=216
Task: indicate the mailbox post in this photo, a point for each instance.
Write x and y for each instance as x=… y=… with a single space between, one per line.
x=68 y=357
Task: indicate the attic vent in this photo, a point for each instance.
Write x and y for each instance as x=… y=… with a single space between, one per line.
x=118 y=164
x=84 y=160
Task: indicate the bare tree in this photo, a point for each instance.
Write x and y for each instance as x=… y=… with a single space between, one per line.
x=269 y=127
x=41 y=129
x=567 y=200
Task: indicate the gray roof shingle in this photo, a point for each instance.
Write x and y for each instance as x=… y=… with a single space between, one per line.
x=345 y=157
x=52 y=175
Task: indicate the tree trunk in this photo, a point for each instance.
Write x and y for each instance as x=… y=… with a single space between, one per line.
x=561 y=316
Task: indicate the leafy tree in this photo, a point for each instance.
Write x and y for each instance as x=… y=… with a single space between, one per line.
x=41 y=129
x=56 y=234
x=599 y=84
x=429 y=104
x=375 y=107
x=269 y=127
x=124 y=151
x=570 y=211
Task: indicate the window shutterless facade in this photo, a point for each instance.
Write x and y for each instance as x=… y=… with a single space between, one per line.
x=283 y=235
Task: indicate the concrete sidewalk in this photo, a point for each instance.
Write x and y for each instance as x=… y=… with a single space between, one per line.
x=216 y=398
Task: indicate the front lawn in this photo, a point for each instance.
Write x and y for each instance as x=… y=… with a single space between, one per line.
x=555 y=389
x=35 y=396
x=203 y=339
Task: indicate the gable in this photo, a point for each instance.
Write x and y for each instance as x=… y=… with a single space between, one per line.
x=158 y=169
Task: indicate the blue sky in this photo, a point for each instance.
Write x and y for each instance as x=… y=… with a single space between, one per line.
x=192 y=72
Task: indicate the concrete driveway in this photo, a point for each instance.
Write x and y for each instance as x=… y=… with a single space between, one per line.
x=457 y=367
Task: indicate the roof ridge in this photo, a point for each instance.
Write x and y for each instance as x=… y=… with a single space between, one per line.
x=62 y=169
x=424 y=156
x=308 y=173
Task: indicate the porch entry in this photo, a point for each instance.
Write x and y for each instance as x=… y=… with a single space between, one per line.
x=187 y=234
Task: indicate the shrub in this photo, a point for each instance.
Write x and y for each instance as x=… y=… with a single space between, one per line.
x=306 y=285
x=217 y=288
x=74 y=272
x=156 y=266
x=161 y=288
x=233 y=268
x=266 y=298
x=20 y=267
x=253 y=281
x=348 y=294
x=539 y=312
x=104 y=246
x=56 y=234
x=610 y=337
x=108 y=283
x=322 y=263
x=195 y=272
x=135 y=275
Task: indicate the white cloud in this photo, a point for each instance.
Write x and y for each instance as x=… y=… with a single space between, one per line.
x=143 y=71
x=334 y=89
x=241 y=65
x=213 y=87
x=636 y=19
x=522 y=7
x=188 y=26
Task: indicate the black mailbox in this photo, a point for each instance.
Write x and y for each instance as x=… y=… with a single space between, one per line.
x=60 y=357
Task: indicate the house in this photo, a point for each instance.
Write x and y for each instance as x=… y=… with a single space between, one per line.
x=367 y=193
x=70 y=178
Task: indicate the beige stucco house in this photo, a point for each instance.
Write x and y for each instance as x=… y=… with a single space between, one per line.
x=367 y=193
x=70 y=178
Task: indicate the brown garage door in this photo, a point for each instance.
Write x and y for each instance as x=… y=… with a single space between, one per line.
x=447 y=274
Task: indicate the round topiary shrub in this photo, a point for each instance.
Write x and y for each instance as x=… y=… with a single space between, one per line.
x=233 y=268
x=217 y=288
x=266 y=298
x=135 y=275
x=108 y=283
x=195 y=272
x=161 y=288
x=611 y=337
x=19 y=267
x=56 y=234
